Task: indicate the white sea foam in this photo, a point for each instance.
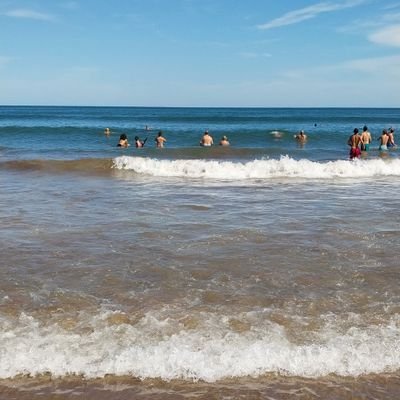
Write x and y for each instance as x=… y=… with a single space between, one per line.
x=144 y=351
x=285 y=167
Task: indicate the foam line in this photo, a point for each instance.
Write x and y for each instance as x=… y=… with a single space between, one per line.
x=285 y=167
x=207 y=353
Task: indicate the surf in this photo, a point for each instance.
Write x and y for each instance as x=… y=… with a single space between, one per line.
x=284 y=167
x=209 y=353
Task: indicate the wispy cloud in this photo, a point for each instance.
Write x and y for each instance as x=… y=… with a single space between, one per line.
x=303 y=14
x=28 y=14
x=389 y=36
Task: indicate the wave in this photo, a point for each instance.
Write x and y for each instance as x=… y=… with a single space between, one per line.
x=285 y=167
x=147 y=350
x=263 y=169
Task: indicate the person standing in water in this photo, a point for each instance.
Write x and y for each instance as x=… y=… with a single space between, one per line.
x=301 y=136
x=139 y=143
x=384 y=139
x=366 y=139
x=206 y=140
x=160 y=140
x=224 y=141
x=354 y=142
x=123 y=141
x=391 y=142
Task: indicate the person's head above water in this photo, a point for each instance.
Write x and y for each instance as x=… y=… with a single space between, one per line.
x=365 y=128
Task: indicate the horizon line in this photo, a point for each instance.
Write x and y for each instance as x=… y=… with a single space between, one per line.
x=158 y=106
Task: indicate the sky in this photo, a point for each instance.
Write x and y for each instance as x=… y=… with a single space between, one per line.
x=200 y=53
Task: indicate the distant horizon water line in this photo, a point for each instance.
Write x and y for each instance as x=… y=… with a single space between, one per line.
x=204 y=107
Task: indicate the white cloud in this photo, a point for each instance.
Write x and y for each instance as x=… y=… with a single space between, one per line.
x=29 y=14
x=303 y=14
x=389 y=36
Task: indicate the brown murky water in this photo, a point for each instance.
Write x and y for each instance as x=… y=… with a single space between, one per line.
x=118 y=286
x=271 y=387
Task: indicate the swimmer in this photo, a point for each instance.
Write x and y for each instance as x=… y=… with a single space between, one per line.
x=139 y=143
x=160 y=140
x=123 y=141
x=384 y=139
x=301 y=136
x=366 y=139
x=107 y=131
x=391 y=142
x=224 y=141
x=354 y=142
x=276 y=134
x=206 y=140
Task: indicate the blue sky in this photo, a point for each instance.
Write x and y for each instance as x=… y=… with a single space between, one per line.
x=259 y=53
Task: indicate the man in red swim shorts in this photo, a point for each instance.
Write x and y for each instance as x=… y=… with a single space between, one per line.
x=354 y=142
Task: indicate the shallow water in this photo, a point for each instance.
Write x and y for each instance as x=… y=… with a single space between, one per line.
x=270 y=387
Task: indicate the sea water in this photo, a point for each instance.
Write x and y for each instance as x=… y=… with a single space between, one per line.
x=261 y=270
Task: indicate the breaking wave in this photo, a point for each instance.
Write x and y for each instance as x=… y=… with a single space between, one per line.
x=209 y=354
x=285 y=167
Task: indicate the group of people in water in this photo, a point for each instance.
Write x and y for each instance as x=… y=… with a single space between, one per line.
x=205 y=141
x=360 y=142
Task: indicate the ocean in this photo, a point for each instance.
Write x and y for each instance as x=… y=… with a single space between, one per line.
x=263 y=270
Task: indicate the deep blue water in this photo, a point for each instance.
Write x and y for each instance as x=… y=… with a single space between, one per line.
x=77 y=132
